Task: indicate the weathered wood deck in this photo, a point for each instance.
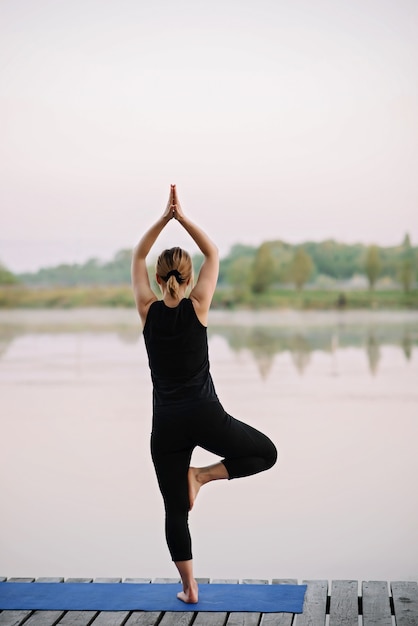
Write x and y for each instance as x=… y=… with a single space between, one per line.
x=343 y=603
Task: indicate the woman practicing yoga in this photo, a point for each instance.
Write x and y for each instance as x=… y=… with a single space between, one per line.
x=186 y=410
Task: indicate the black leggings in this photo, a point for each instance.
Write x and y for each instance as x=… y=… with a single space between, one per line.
x=174 y=436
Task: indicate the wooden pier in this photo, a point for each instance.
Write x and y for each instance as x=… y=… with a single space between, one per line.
x=342 y=603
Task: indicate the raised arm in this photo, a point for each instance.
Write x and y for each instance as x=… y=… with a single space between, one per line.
x=144 y=295
x=202 y=292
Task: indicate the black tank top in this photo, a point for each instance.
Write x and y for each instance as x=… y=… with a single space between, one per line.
x=177 y=347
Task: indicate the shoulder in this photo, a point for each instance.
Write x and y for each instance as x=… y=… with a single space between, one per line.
x=200 y=311
x=146 y=310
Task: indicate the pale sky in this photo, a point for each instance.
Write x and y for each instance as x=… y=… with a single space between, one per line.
x=277 y=119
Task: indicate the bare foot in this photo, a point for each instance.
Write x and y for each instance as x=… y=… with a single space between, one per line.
x=194 y=485
x=199 y=476
x=190 y=594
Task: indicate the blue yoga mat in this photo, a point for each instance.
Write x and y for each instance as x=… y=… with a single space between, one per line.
x=150 y=597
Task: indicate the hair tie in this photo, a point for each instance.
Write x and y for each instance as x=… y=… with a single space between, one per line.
x=175 y=273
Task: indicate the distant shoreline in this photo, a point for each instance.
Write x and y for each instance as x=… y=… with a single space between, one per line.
x=112 y=296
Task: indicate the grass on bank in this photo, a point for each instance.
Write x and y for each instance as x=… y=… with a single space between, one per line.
x=65 y=297
x=121 y=296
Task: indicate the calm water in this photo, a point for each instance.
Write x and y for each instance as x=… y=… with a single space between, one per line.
x=337 y=393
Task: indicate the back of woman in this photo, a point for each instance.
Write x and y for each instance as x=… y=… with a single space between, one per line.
x=177 y=348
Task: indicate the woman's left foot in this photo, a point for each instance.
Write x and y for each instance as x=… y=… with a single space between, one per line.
x=190 y=594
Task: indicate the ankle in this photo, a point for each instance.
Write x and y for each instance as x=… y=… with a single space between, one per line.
x=201 y=476
x=190 y=583
x=217 y=471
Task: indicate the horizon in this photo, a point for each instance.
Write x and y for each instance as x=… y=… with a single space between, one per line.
x=102 y=260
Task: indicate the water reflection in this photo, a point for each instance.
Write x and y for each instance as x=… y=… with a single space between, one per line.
x=264 y=341
x=301 y=352
x=407 y=345
x=373 y=352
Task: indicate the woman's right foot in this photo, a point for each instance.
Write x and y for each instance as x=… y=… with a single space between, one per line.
x=194 y=486
x=199 y=476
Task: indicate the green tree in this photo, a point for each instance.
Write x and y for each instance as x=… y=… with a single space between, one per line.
x=407 y=241
x=338 y=260
x=406 y=271
x=239 y=275
x=238 y=253
x=263 y=269
x=301 y=268
x=6 y=277
x=373 y=265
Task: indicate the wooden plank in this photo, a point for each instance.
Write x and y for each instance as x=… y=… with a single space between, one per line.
x=284 y=581
x=111 y=618
x=77 y=618
x=108 y=580
x=175 y=618
x=44 y=618
x=225 y=581
x=243 y=619
x=255 y=581
x=49 y=579
x=137 y=581
x=376 y=605
x=315 y=606
x=20 y=580
x=405 y=602
x=167 y=580
x=13 y=618
x=344 y=603
x=207 y=618
x=79 y=580
x=279 y=619
x=139 y=618
x=149 y=618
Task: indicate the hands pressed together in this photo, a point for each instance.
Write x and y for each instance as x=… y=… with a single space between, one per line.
x=205 y=285
x=173 y=208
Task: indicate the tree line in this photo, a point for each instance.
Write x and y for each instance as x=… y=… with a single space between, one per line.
x=281 y=263
x=254 y=269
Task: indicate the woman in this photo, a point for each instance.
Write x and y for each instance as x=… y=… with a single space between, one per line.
x=186 y=410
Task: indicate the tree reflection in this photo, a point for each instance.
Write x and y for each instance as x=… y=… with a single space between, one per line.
x=264 y=341
x=373 y=352
x=301 y=352
x=7 y=335
x=334 y=349
x=264 y=347
x=407 y=345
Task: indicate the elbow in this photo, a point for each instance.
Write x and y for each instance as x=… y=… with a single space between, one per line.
x=214 y=252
